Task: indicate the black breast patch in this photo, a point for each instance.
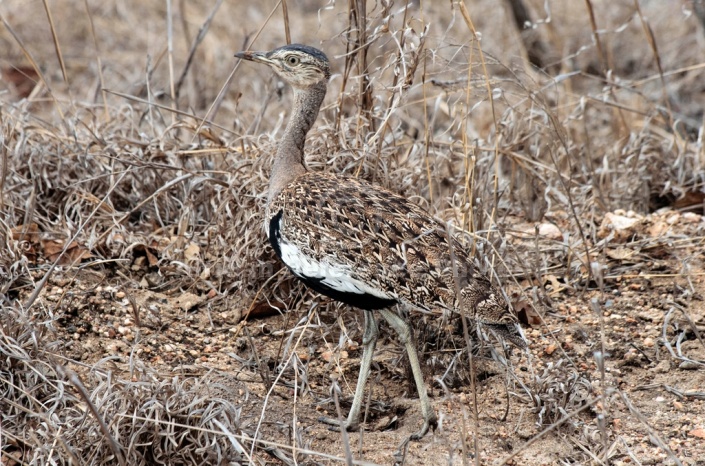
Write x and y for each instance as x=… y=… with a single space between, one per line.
x=366 y=301
x=275 y=235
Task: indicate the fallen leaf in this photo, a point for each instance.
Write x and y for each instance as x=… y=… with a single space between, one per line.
x=620 y=253
x=192 y=252
x=556 y=286
x=526 y=313
x=24 y=78
x=149 y=252
x=74 y=253
x=26 y=233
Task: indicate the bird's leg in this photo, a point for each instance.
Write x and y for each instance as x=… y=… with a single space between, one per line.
x=369 y=341
x=404 y=331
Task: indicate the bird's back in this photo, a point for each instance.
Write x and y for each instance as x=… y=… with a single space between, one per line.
x=364 y=245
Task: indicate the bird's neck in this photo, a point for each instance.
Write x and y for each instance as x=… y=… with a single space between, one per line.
x=289 y=162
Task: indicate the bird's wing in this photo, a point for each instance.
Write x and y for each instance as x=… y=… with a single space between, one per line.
x=357 y=237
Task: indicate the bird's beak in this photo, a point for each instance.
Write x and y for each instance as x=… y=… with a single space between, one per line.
x=259 y=57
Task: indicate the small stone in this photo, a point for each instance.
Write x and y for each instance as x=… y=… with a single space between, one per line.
x=698 y=433
x=648 y=342
x=691 y=217
x=689 y=365
x=549 y=230
x=622 y=227
x=550 y=349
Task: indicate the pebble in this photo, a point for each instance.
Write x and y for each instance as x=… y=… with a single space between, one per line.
x=689 y=365
x=692 y=217
x=550 y=230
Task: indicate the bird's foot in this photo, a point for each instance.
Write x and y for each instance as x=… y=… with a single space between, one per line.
x=337 y=424
x=430 y=423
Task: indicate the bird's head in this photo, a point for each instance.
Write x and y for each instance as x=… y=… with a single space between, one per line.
x=484 y=303
x=299 y=65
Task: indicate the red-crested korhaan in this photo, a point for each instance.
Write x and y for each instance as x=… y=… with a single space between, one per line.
x=361 y=244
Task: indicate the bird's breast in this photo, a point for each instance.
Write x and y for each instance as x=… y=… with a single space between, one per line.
x=322 y=268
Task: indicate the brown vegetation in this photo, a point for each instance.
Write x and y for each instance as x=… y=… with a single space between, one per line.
x=145 y=319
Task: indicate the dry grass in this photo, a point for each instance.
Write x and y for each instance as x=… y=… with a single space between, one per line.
x=111 y=178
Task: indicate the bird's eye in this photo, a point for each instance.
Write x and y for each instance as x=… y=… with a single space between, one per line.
x=292 y=60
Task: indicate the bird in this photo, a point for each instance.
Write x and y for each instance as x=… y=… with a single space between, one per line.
x=362 y=244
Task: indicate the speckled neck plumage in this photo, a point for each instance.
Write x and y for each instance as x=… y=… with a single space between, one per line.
x=289 y=162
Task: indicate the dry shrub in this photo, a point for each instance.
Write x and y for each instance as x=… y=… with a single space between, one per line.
x=457 y=125
x=144 y=419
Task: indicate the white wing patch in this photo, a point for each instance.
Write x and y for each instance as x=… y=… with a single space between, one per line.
x=335 y=276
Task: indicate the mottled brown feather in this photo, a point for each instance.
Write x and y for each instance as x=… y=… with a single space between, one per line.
x=387 y=242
